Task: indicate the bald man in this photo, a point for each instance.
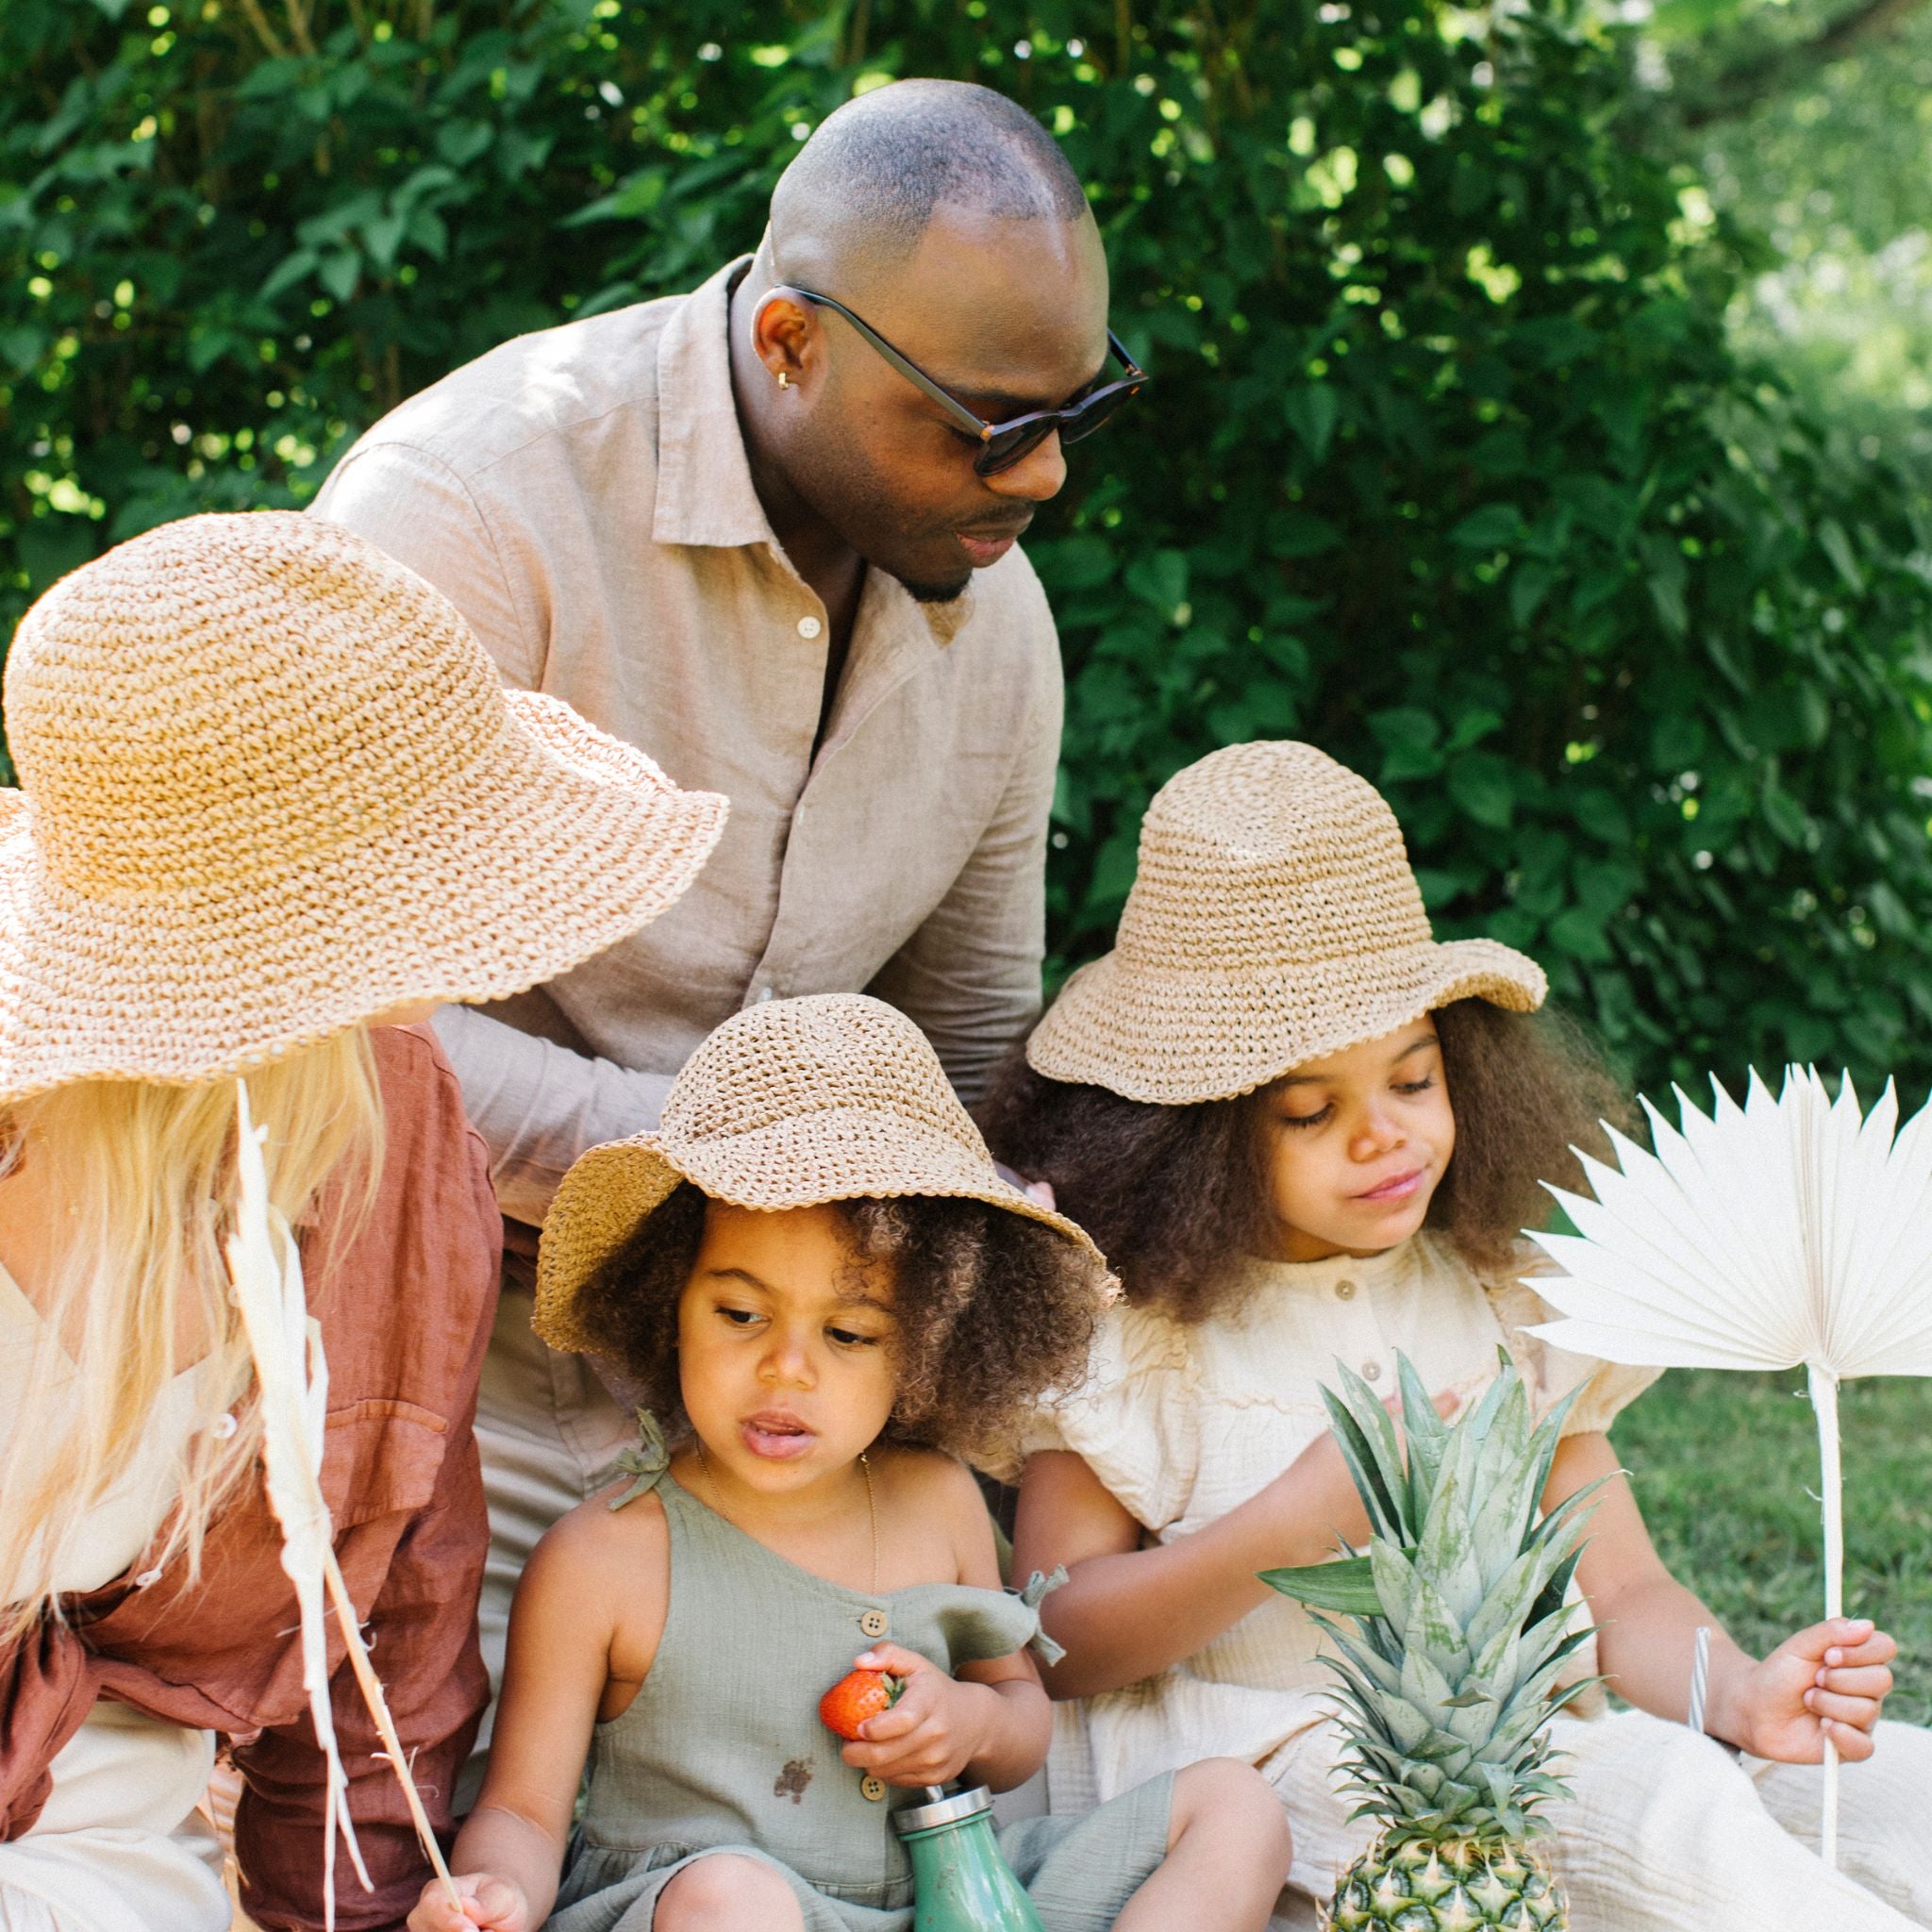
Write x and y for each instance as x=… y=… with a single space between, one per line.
x=767 y=532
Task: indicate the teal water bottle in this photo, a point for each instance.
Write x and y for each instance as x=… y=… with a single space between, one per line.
x=961 y=1882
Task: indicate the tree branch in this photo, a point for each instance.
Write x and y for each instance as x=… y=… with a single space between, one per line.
x=1739 y=90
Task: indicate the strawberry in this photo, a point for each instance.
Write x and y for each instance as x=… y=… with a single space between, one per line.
x=857 y=1696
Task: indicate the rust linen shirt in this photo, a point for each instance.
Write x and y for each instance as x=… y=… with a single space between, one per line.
x=584 y=497
x=406 y=1309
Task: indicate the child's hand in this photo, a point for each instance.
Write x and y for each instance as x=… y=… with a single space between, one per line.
x=1825 y=1682
x=931 y=1734
x=1319 y=1496
x=490 y=1902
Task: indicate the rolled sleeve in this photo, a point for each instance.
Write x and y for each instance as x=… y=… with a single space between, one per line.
x=422 y=1632
x=539 y=1105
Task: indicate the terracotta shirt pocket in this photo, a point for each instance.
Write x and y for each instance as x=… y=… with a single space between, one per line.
x=380 y=1456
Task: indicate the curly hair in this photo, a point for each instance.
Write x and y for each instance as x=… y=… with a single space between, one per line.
x=991 y=1309
x=1177 y=1195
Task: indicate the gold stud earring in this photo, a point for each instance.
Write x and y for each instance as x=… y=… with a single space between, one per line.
x=784 y=380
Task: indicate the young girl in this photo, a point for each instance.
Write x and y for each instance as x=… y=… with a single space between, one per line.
x=274 y=798
x=815 y=1276
x=1305 y=1133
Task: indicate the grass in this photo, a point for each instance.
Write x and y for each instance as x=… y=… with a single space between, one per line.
x=1725 y=1468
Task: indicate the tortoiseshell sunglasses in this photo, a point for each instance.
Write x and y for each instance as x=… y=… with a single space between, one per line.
x=1002 y=445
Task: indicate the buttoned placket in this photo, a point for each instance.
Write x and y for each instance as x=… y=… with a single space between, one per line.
x=1360 y=1342
x=880 y=660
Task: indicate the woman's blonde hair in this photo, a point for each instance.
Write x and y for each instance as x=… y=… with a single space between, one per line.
x=143 y=1177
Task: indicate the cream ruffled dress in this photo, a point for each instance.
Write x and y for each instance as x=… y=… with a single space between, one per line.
x=1184 y=1422
x=118 y=1847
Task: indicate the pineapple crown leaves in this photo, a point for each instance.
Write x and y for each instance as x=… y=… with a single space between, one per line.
x=1450 y=1634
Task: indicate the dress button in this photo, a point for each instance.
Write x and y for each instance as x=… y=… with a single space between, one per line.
x=874 y=1624
x=1345 y=1290
x=223 y=1428
x=1372 y=1371
x=872 y=1788
x=809 y=627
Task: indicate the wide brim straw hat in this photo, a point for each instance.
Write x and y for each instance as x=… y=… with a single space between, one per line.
x=272 y=788
x=789 y=1103
x=1274 y=920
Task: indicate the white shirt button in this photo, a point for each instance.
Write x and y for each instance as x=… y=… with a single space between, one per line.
x=809 y=627
x=1372 y=1371
x=1345 y=1290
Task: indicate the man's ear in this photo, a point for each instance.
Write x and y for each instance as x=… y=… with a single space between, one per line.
x=784 y=337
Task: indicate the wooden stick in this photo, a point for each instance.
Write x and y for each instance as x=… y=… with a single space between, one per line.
x=371 y=1686
x=1825 y=1401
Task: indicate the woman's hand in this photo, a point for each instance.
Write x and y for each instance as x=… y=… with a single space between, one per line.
x=488 y=1900
x=1825 y=1682
x=937 y=1728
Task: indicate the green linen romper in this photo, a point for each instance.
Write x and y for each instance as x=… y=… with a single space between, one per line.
x=722 y=1749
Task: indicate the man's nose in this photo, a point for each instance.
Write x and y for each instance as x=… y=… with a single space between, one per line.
x=1036 y=476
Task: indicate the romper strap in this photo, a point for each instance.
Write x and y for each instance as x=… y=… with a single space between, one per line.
x=1038 y=1586
x=646 y=1465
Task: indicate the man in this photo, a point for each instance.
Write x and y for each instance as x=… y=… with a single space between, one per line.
x=766 y=533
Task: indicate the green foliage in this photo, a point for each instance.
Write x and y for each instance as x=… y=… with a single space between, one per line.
x=1448 y=466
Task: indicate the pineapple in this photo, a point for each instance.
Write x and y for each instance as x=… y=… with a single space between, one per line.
x=1449 y=1669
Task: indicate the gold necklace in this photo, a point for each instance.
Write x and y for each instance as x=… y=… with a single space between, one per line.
x=871 y=1504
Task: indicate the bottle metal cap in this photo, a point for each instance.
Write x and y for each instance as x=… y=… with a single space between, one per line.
x=952 y=1811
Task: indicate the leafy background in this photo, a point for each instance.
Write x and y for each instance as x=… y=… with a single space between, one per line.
x=1515 y=437
x=1452 y=466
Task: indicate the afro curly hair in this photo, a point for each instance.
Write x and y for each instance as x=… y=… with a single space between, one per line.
x=992 y=1310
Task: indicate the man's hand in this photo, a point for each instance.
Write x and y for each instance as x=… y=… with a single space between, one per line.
x=492 y=1903
x=1828 y=1681
x=935 y=1729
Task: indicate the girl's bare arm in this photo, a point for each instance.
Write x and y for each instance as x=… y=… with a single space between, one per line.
x=1127 y=1612
x=573 y=1654
x=1833 y=1675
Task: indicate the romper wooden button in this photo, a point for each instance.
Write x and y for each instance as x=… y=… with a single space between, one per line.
x=874 y=1624
x=874 y=1788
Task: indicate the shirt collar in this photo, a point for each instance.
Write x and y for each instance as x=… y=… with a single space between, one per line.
x=705 y=491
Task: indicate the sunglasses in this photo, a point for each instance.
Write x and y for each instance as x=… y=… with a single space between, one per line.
x=1002 y=445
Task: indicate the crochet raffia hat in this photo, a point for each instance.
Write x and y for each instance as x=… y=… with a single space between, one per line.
x=272 y=787
x=1273 y=919
x=789 y=1103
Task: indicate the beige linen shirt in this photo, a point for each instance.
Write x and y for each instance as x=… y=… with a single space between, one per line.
x=584 y=497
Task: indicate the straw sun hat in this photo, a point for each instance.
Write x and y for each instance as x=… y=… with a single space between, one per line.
x=272 y=788
x=789 y=1103
x=1273 y=919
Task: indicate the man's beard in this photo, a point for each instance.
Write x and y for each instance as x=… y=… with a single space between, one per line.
x=935 y=593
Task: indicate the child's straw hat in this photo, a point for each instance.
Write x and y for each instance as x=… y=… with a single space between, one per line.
x=272 y=788
x=1273 y=919
x=789 y=1103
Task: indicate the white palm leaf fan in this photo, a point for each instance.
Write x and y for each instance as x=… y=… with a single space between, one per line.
x=1791 y=1230
x=265 y=1268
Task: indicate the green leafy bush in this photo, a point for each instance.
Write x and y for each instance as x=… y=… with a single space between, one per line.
x=1448 y=467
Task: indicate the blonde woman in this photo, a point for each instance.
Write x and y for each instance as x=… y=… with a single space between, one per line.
x=275 y=803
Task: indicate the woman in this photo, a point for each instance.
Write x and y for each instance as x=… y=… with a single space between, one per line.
x=276 y=804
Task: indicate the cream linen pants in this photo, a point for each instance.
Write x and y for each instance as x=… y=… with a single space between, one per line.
x=118 y=1847
x=1667 y=1832
x=549 y=1434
